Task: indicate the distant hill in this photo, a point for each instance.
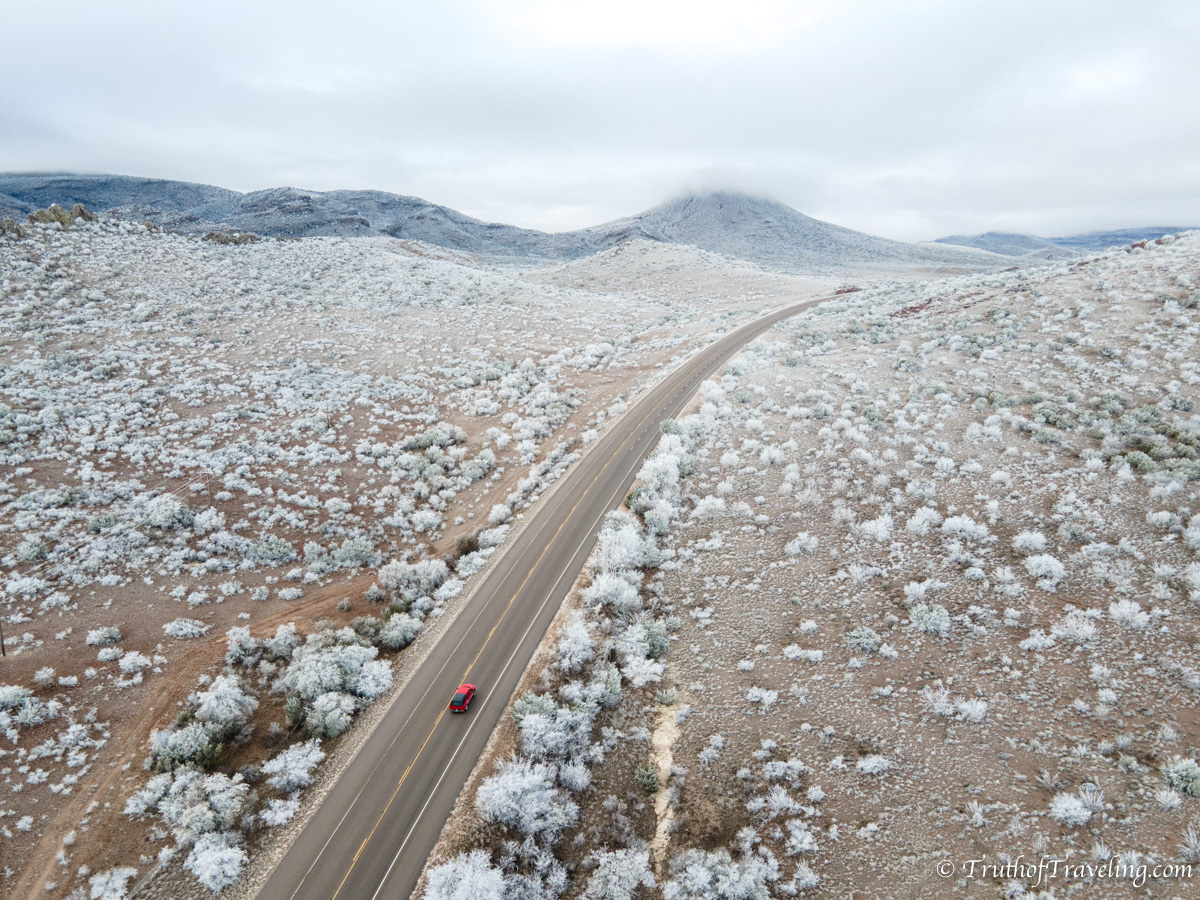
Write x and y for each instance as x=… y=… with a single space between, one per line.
x=1049 y=248
x=731 y=224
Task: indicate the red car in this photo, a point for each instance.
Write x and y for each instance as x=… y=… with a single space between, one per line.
x=462 y=699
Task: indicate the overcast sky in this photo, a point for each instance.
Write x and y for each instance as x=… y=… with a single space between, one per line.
x=909 y=119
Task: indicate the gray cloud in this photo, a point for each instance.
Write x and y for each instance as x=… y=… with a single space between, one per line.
x=910 y=120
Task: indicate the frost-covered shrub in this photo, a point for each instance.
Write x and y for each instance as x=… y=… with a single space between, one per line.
x=44 y=677
x=281 y=646
x=863 y=639
x=374 y=679
x=104 y=637
x=133 y=661
x=216 y=860
x=1128 y=614
x=111 y=884
x=522 y=795
x=965 y=527
x=1070 y=810
x=618 y=874
x=271 y=551
x=224 y=705
x=714 y=875
x=923 y=520
x=762 y=695
x=416 y=580
x=877 y=529
x=1182 y=774
x=801 y=544
x=279 y=812
x=179 y=746
x=12 y=696
x=799 y=838
x=330 y=714
x=468 y=876
x=186 y=628
x=168 y=512
x=398 y=631
x=615 y=592
x=873 y=764
x=575 y=645
x=191 y=802
x=243 y=650
x=1047 y=570
x=1038 y=641
x=328 y=661
x=289 y=770
x=1029 y=542
x=622 y=546
x=931 y=617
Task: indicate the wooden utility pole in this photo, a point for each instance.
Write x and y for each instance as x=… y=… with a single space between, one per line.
x=2 y=651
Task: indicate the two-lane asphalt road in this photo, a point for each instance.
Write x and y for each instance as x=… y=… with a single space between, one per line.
x=372 y=834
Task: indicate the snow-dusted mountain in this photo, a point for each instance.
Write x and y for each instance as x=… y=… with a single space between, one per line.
x=731 y=224
x=1049 y=248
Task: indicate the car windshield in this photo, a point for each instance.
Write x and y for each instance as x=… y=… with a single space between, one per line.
x=459 y=699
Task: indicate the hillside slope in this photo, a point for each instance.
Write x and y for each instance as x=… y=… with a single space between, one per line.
x=731 y=224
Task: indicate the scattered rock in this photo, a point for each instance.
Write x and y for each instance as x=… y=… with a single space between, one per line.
x=218 y=238
x=57 y=214
x=10 y=229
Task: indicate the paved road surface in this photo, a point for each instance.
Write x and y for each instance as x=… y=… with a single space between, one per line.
x=377 y=826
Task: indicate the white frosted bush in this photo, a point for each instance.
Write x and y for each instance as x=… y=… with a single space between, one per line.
x=575 y=646
x=863 y=639
x=279 y=812
x=966 y=528
x=877 y=529
x=1038 y=641
x=1128 y=614
x=708 y=507
x=931 y=617
x=398 y=631
x=168 y=512
x=133 y=661
x=618 y=874
x=289 y=769
x=111 y=884
x=330 y=714
x=1029 y=542
x=801 y=544
x=468 y=876
x=186 y=628
x=373 y=679
x=522 y=795
x=216 y=860
x=1183 y=774
x=614 y=591
x=799 y=838
x=103 y=637
x=1047 y=570
x=224 y=704
x=1070 y=810
x=923 y=520
x=703 y=875
x=873 y=764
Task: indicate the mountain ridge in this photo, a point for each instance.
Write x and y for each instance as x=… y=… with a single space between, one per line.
x=1016 y=244
x=725 y=222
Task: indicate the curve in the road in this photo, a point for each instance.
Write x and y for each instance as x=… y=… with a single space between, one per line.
x=371 y=835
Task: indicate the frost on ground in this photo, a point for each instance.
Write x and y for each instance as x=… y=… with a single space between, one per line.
x=226 y=468
x=918 y=579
